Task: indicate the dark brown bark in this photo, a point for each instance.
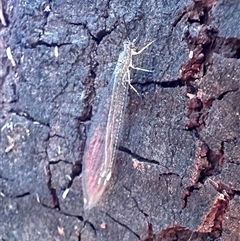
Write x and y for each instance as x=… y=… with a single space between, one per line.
x=176 y=175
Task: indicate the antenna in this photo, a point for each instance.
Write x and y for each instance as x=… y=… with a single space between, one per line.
x=127 y=32
x=121 y=21
x=126 y=29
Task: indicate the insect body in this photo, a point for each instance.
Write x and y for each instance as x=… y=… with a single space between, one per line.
x=104 y=132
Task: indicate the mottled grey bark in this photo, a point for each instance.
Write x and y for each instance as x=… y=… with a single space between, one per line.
x=176 y=175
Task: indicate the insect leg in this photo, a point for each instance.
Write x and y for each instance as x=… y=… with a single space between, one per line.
x=129 y=82
x=137 y=68
x=141 y=50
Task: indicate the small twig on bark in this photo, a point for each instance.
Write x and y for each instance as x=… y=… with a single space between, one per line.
x=2 y=15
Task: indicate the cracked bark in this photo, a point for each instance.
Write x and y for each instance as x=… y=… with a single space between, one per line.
x=176 y=175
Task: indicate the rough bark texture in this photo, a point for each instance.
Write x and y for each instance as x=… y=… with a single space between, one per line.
x=176 y=176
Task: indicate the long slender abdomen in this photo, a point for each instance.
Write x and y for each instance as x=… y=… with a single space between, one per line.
x=102 y=141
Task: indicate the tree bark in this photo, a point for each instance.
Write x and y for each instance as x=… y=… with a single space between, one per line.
x=176 y=172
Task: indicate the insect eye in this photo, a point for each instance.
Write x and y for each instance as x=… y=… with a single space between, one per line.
x=133 y=47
